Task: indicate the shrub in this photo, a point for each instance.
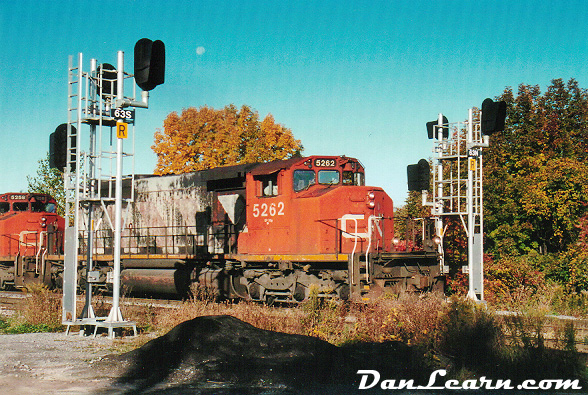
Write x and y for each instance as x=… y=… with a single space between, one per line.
x=509 y=274
x=41 y=309
x=469 y=334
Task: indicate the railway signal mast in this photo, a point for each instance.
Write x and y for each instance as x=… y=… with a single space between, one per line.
x=93 y=168
x=457 y=179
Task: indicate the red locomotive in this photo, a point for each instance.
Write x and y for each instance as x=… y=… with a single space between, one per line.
x=30 y=230
x=265 y=231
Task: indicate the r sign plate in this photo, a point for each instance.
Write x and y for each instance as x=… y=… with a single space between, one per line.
x=122 y=130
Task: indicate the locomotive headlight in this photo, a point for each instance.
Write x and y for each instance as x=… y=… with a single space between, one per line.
x=43 y=222
x=370 y=199
x=396 y=241
x=437 y=240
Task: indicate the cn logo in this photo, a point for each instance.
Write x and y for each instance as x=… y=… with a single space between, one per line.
x=353 y=233
x=373 y=223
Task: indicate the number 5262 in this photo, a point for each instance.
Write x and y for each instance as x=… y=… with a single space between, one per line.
x=268 y=210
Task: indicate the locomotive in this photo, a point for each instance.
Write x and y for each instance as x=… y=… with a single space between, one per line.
x=30 y=231
x=264 y=231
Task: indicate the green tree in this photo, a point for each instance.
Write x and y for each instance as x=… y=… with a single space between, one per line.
x=204 y=138
x=536 y=174
x=50 y=181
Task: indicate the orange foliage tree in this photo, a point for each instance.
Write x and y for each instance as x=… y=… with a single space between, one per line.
x=205 y=138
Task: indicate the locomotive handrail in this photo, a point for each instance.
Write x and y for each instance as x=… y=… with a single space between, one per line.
x=159 y=240
x=39 y=249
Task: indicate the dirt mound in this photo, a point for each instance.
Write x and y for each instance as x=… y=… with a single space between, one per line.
x=224 y=353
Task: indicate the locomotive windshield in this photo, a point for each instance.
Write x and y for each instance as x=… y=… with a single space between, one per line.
x=35 y=206
x=303 y=179
x=20 y=206
x=328 y=177
x=40 y=207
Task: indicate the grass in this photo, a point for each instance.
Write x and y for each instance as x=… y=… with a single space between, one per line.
x=40 y=312
x=467 y=339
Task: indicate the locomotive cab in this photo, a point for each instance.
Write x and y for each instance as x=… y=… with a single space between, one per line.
x=30 y=229
x=315 y=206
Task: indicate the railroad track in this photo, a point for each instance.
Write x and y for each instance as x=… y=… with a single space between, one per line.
x=10 y=301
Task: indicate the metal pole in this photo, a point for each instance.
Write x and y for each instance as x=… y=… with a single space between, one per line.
x=480 y=279
x=470 y=206
x=115 y=313
x=439 y=201
x=88 y=311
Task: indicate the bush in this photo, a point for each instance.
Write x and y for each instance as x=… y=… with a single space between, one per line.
x=509 y=274
x=469 y=334
x=39 y=312
x=42 y=308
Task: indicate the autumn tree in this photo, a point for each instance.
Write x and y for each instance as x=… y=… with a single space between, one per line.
x=205 y=138
x=536 y=171
x=48 y=180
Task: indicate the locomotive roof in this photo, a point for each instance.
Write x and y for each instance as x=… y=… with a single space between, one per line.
x=276 y=165
x=239 y=171
x=24 y=196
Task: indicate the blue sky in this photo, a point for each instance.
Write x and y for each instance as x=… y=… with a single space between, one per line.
x=355 y=78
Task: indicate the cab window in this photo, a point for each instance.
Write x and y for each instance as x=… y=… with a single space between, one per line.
x=352 y=178
x=359 y=179
x=4 y=207
x=328 y=177
x=268 y=184
x=303 y=179
x=347 y=178
x=38 y=207
x=21 y=206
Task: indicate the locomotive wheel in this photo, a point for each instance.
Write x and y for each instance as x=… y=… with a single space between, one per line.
x=299 y=293
x=344 y=292
x=270 y=300
x=254 y=291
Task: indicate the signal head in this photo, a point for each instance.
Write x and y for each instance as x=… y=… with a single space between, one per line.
x=149 y=63
x=58 y=147
x=493 y=116
x=418 y=176
x=432 y=128
x=107 y=74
